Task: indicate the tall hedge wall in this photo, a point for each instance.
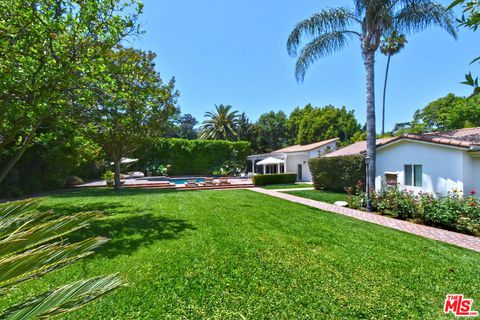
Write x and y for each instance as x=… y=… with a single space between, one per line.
x=195 y=157
x=336 y=173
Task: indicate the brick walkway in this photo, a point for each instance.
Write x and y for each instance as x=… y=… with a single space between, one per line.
x=456 y=239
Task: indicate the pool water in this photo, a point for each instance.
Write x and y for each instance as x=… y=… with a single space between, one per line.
x=184 y=181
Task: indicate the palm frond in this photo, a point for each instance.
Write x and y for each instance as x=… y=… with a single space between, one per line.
x=417 y=15
x=318 y=48
x=32 y=243
x=326 y=21
x=63 y=299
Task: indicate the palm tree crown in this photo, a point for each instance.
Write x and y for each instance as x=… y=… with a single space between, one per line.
x=370 y=20
x=221 y=124
x=390 y=46
x=393 y=43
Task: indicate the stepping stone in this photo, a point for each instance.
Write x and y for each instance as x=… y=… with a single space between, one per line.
x=341 y=203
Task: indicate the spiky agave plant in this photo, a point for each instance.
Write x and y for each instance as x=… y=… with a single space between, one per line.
x=34 y=242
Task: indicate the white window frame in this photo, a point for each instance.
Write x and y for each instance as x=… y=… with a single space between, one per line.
x=412 y=166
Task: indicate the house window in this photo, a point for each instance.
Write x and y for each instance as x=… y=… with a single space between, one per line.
x=413 y=175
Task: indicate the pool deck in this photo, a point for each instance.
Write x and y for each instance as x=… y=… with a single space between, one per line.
x=154 y=182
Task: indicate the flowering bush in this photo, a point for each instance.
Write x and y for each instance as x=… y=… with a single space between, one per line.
x=453 y=211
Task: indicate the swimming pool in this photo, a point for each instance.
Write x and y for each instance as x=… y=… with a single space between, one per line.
x=184 y=180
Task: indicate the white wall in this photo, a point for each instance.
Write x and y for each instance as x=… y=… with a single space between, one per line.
x=293 y=160
x=443 y=168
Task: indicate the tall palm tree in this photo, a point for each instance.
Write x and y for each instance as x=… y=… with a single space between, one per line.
x=331 y=29
x=220 y=124
x=390 y=46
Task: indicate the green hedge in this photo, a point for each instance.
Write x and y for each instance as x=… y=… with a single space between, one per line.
x=279 y=178
x=337 y=173
x=195 y=157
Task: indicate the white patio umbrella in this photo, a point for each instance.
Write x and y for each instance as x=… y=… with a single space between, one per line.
x=126 y=160
x=269 y=160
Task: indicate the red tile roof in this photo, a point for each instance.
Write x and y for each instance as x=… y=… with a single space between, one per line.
x=306 y=147
x=463 y=138
x=356 y=148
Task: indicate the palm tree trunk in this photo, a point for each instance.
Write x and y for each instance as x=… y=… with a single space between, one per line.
x=384 y=94
x=369 y=57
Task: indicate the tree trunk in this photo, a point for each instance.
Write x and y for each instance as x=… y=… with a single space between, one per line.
x=19 y=153
x=369 y=57
x=384 y=94
x=116 y=163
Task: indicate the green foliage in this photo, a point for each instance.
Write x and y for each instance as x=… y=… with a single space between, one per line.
x=447 y=113
x=326 y=123
x=270 y=132
x=132 y=105
x=34 y=242
x=221 y=124
x=59 y=151
x=470 y=19
x=192 y=157
x=452 y=211
x=337 y=173
x=278 y=178
x=50 y=58
x=108 y=176
x=186 y=127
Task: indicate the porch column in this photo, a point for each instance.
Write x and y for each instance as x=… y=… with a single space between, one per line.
x=278 y=168
x=264 y=169
x=253 y=166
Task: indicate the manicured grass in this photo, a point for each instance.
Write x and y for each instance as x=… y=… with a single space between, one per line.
x=237 y=254
x=319 y=195
x=288 y=186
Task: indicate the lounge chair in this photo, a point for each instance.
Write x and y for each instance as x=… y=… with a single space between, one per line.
x=224 y=181
x=209 y=182
x=191 y=184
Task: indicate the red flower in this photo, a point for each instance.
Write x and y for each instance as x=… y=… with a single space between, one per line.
x=473 y=192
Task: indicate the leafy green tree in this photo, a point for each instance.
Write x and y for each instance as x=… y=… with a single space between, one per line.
x=220 y=124
x=391 y=45
x=270 y=132
x=447 y=113
x=34 y=242
x=327 y=123
x=294 y=120
x=47 y=47
x=244 y=128
x=132 y=105
x=331 y=29
x=186 y=127
x=470 y=19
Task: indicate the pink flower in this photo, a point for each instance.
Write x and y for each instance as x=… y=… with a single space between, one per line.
x=473 y=192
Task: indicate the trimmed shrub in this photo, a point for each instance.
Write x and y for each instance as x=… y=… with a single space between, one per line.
x=279 y=178
x=453 y=211
x=194 y=157
x=337 y=173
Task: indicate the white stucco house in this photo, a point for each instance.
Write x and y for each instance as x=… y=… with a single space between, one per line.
x=293 y=159
x=436 y=162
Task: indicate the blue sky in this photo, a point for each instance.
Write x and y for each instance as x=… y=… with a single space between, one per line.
x=234 y=52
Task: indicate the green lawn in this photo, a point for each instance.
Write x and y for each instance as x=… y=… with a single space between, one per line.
x=241 y=255
x=319 y=195
x=288 y=186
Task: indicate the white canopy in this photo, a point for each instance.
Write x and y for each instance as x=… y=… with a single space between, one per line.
x=270 y=160
x=126 y=160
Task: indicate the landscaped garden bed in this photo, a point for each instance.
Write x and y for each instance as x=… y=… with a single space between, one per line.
x=239 y=254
